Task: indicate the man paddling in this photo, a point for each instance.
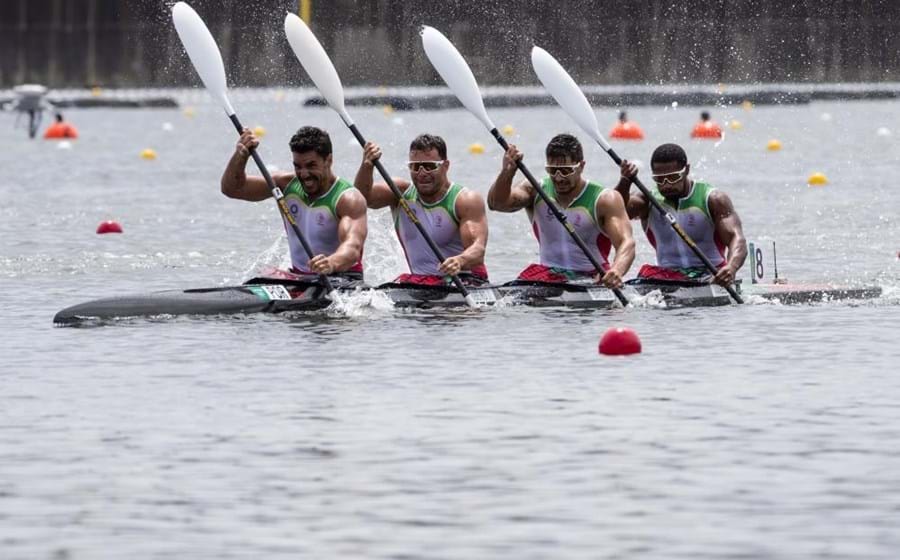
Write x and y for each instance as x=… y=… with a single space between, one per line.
x=705 y=213
x=596 y=214
x=453 y=215
x=329 y=212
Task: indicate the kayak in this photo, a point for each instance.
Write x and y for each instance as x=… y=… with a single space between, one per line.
x=284 y=293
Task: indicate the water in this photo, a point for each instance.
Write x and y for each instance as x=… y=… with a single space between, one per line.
x=754 y=431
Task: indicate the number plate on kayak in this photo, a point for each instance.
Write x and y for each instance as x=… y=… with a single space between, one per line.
x=483 y=297
x=597 y=294
x=271 y=292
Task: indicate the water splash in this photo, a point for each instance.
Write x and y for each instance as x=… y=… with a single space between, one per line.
x=652 y=300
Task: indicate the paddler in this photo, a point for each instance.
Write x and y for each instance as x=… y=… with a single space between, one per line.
x=706 y=214
x=596 y=214
x=454 y=216
x=330 y=213
x=60 y=130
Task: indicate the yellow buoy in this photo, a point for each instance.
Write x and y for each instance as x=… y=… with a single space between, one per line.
x=774 y=145
x=189 y=112
x=735 y=125
x=96 y=91
x=747 y=105
x=259 y=131
x=148 y=154
x=476 y=148
x=817 y=179
x=388 y=109
x=508 y=130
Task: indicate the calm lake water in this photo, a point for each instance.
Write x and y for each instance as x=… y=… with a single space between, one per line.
x=759 y=431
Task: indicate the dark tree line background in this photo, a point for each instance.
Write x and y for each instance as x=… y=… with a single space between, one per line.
x=122 y=43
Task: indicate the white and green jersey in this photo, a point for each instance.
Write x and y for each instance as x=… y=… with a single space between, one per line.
x=317 y=220
x=557 y=248
x=439 y=219
x=692 y=213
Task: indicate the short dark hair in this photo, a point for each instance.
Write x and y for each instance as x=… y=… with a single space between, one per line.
x=311 y=139
x=425 y=142
x=667 y=153
x=704 y=115
x=565 y=145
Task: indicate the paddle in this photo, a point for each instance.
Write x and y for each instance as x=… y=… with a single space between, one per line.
x=315 y=61
x=570 y=97
x=459 y=78
x=207 y=60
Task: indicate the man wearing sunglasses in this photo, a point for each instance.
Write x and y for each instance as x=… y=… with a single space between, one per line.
x=453 y=215
x=706 y=215
x=329 y=212
x=596 y=214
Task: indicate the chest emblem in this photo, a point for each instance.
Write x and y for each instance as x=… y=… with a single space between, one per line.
x=320 y=220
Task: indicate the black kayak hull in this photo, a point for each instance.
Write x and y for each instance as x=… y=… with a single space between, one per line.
x=278 y=295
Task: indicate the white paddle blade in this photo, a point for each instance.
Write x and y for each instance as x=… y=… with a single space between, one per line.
x=456 y=73
x=203 y=52
x=315 y=61
x=567 y=93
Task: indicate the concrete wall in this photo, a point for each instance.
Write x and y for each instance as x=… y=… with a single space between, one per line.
x=375 y=42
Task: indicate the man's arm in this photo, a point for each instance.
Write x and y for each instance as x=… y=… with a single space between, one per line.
x=729 y=230
x=503 y=196
x=635 y=204
x=611 y=210
x=377 y=195
x=352 y=230
x=236 y=183
x=473 y=229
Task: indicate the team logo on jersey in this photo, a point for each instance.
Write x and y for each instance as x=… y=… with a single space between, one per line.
x=438 y=221
x=294 y=209
x=577 y=219
x=320 y=220
x=691 y=220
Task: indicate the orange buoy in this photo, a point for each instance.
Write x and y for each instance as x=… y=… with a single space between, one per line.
x=60 y=130
x=706 y=128
x=109 y=226
x=625 y=129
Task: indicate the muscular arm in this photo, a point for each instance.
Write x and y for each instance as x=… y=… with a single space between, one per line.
x=503 y=196
x=377 y=195
x=635 y=204
x=473 y=229
x=235 y=182
x=614 y=220
x=729 y=230
x=352 y=230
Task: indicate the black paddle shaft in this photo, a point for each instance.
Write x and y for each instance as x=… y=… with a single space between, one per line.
x=409 y=212
x=558 y=214
x=669 y=217
x=282 y=205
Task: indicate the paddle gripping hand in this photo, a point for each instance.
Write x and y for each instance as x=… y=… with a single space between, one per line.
x=452 y=265
x=611 y=279
x=320 y=264
x=628 y=170
x=371 y=153
x=511 y=159
x=247 y=142
x=724 y=276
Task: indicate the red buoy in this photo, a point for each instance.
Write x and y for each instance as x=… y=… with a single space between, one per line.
x=620 y=341
x=109 y=227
